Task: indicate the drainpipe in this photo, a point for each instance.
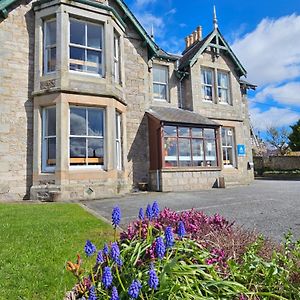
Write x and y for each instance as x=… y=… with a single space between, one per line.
x=157 y=180
x=181 y=76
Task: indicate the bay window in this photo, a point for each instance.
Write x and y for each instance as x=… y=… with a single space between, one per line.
x=190 y=147
x=48 y=139
x=49 y=46
x=160 y=82
x=86 y=47
x=207 y=84
x=228 y=147
x=223 y=87
x=86 y=136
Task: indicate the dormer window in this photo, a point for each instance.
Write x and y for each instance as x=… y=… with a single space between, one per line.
x=223 y=87
x=207 y=84
x=160 y=82
x=86 y=45
x=49 y=46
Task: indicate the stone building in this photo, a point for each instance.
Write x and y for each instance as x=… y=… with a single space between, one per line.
x=91 y=107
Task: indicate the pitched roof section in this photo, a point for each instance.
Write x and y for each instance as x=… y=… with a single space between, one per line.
x=191 y=54
x=177 y=115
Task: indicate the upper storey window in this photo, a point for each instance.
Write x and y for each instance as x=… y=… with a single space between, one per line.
x=117 y=69
x=49 y=46
x=160 y=82
x=207 y=84
x=223 y=86
x=86 y=45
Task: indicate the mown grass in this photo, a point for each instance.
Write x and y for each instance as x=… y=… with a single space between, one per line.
x=36 y=241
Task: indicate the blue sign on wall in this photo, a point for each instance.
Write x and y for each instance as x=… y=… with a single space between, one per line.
x=241 y=150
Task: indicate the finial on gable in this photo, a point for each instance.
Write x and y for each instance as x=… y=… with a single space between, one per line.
x=152 y=32
x=215 y=18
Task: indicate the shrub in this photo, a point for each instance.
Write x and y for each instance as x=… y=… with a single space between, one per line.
x=169 y=255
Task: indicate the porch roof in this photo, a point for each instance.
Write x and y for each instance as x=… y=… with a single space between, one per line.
x=177 y=115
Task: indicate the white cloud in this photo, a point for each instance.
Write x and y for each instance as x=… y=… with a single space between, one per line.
x=288 y=93
x=148 y=20
x=142 y=3
x=171 y=12
x=277 y=117
x=271 y=53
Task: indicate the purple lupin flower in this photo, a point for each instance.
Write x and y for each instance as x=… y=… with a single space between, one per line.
x=169 y=237
x=116 y=216
x=160 y=247
x=105 y=249
x=149 y=212
x=114 y=294
x=141 y=214
x=153 y=279
x=107 y=277
x=181 y=229
x=155 y=209
x=114 y=251
x=89 y=248
x=92 y=293
x=100 y=259
x=134 y=289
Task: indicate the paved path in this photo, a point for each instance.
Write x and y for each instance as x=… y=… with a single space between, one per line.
x=270 y=206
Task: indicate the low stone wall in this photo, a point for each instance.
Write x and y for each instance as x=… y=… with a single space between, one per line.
x=276 y=163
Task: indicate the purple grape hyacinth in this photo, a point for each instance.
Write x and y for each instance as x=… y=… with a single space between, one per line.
x=100 y=259
x=153 y=279
x=92 y=293
x=116 y=216
x=114 y=251
x=149 y=212
x=155 y=209
x=114 y=294
x=134 y=289
x=160 y=247
x=181 y=229
x=105 y=249
x=89 y=248
x=107 y=277
x=169 y=237
x=141 y=214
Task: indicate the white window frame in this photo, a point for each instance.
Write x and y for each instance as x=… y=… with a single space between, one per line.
x=86 y=48
x=103 y=137
x=119 y=140
x=232 y=147
x=46 y=48
x=117 y=58
x=224 y=88
x=45 y=167
x=166 y=84
x=203 y=85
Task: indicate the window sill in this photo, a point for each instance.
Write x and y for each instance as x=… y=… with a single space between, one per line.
x=195 y=169
x=87 y=74
x=161 y=100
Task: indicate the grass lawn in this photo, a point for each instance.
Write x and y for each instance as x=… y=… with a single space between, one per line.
x=36 y=240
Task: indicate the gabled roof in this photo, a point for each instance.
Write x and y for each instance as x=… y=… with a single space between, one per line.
x=177 y=115
x=216 y=40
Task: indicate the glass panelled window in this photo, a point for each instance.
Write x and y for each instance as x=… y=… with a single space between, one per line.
x=49 y=139
x=118 y=141
x=117 y=65
x=223 y=87
x=49 y=46
x=190 y=147
x=160 y=82
x=228 y=147
x=86 y=136
x=86 y=44
x=207 y=84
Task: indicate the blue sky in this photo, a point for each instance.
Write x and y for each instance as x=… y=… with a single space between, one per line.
x=265 y=35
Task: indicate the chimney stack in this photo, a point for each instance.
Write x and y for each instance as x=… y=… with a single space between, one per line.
x=194 y=37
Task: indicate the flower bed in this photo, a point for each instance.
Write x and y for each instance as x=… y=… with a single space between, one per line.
x=188 y=255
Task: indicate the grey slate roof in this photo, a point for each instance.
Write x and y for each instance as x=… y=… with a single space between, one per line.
x=177 y=115
x=248 y=85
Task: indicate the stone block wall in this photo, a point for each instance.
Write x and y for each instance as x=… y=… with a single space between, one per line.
x=16 y=108
x=276 y=163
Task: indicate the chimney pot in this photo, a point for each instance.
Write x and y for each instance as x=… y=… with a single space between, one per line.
x=191 y=39
x=195 y=34
x=199 y=33
x=187 y=42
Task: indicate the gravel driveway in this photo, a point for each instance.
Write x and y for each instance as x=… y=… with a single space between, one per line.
x=270 y=206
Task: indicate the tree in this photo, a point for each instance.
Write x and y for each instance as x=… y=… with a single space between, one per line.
x=278 y=138
x=294 y=137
